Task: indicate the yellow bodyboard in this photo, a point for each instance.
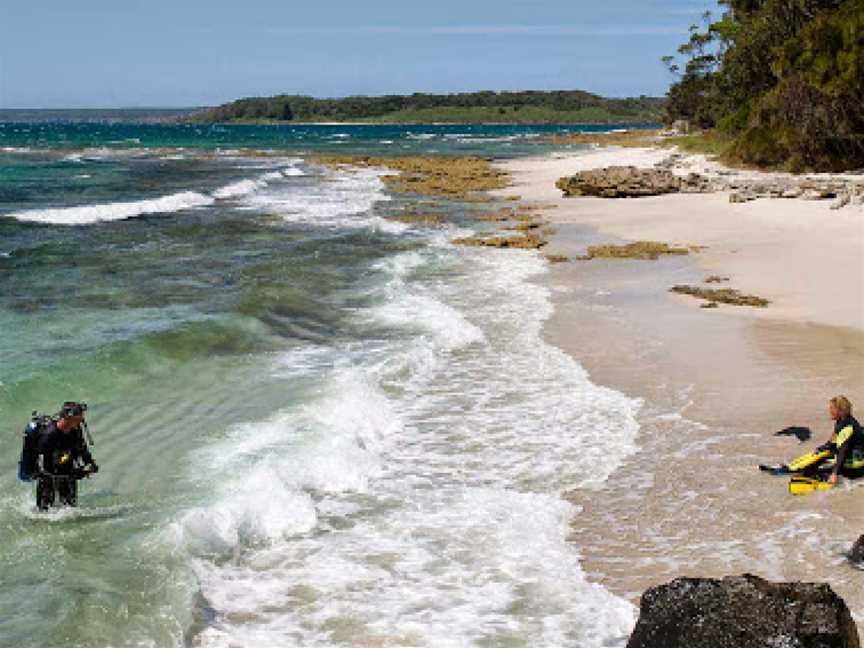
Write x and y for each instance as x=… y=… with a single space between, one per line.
x=803 y=485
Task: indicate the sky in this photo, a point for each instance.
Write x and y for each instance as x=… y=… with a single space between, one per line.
x=131 y=53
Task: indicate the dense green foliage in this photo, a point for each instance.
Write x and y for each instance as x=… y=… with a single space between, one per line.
x=503 y=107
x=784 y=79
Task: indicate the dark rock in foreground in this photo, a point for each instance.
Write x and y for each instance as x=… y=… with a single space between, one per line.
x=743 y=612
x=856 y=554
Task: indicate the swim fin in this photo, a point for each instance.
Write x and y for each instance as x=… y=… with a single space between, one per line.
x=782 y=469
x=799 y=485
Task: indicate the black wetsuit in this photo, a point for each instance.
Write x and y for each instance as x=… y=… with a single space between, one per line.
x=61 y=450
x=62 y=453
x=849 y=440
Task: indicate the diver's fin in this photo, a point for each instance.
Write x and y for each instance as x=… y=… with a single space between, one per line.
x=799 y=485
x=782 y=469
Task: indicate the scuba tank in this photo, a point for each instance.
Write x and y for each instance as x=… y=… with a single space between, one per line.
x=30 y=447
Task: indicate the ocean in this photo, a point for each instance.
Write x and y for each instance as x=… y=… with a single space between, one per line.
x=316 y=425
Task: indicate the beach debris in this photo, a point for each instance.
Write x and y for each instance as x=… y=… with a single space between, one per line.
x=744 y=612
x=645 y=250
x=711 y=304
x=557 y=258
x=527 y=241
x=716 y=279
x=631 y=182
x=721 y=295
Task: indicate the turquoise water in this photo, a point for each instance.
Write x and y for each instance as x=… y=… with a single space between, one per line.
x=316 y=425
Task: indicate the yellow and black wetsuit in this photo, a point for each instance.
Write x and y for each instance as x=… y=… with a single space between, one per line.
x=848 y=441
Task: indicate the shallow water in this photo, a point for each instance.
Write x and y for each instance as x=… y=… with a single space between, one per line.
x=316 y=425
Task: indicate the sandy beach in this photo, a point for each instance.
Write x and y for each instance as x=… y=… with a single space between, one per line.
x=716 y=384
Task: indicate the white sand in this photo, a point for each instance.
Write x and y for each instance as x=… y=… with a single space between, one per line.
x=803 y=256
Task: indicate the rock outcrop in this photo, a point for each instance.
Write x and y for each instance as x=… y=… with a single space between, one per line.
x=671 y=175
x=743 y=612
x=627 y=182
x=856 y=553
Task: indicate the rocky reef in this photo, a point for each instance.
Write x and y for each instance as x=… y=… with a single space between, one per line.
x=644 y=250
x=721 y=296
x=464 y=178
x=743 y=612
x=524 y=242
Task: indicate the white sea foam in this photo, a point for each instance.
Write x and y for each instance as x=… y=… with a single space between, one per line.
x=344 y=199
x=88 y=214
x=240 y=188
x=435 y=460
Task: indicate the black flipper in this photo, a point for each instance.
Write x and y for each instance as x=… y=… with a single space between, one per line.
x=775 y=470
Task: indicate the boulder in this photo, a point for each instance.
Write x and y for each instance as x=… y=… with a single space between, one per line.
x=624 y=182
x=856 y=553
x=743 y=612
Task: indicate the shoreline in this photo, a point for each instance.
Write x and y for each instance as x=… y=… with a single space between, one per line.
x=716 y=383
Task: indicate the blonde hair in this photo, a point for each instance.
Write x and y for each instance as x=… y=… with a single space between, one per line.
x=842 y=405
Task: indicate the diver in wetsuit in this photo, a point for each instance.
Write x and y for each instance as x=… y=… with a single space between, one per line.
x=847 y=442
x=62 y=457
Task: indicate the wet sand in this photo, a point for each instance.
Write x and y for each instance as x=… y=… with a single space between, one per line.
x=717 y=384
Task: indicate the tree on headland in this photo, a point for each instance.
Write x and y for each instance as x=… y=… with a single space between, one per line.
x=784 y=79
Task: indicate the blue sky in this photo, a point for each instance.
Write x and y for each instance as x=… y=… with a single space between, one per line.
x=101 y=53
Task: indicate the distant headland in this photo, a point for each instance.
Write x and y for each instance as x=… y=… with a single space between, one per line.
x=534 y=107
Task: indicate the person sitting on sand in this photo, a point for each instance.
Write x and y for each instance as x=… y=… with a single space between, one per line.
x=842 y=454
x=847 y=442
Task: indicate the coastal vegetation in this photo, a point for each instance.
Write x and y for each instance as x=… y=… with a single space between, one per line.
x=555 y=107
x=780 y=81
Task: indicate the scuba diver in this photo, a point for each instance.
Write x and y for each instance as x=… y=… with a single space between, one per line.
x=842 y=454
x=847 y=442
x=56 y=454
